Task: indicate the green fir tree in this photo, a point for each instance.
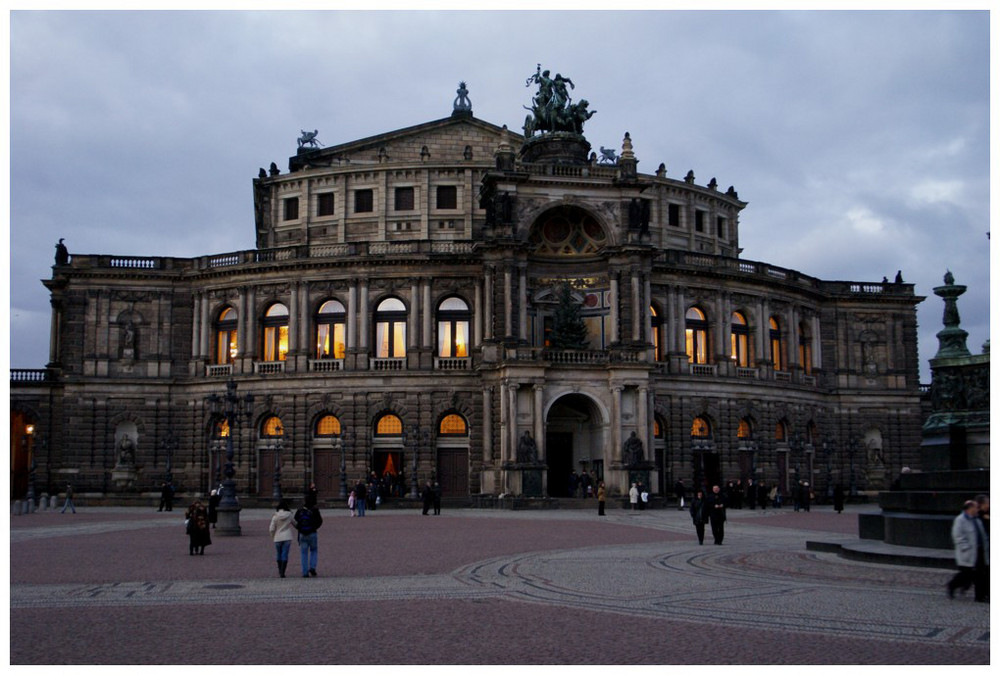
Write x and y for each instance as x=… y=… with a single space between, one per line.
x=568 y=329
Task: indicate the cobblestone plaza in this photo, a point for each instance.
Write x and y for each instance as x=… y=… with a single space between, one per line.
x=116 y=586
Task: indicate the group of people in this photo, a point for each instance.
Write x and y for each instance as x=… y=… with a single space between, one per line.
x=638 y=496
x=302 y=525
x=709 y=509
x=431 y=497
x=970 y=532
x=582 y=485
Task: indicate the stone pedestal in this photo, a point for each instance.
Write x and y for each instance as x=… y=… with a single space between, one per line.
x=228 y=524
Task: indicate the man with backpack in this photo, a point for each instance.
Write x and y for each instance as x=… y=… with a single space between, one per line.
x=307 y=521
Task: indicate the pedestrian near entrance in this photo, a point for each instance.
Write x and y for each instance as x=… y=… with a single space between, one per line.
x=698 y=515
x=427 y=496
x=633 y=496
x=360 y=495
x=838 y=498
x=971 y=551
x=352 y=504
x=69 y=499
x=166 y=497
x=716 y=505
x=213 y=507
x=282 y=530
x=679 y=492
x=307 y=521
x=643 y=497
x=806 y=495
x=199 y=534
x=601 y=496
x=436 y=492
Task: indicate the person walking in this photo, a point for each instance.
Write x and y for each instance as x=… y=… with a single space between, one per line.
x=213 y=507
x=838 y=498
x=679 y=492
x=633 y=496
x=282 y=529
x=601 y=496
x=166 y=497
x=427 y=496
x=199 y=534
x=971 y=551
x=360 y=494
x=307 y=520
x=352 y=504
x=312 y=495
x=698 y=515
x=716 y=505
x=983 y=502
x=69 y=499
x=806 y=495
x=437 y=498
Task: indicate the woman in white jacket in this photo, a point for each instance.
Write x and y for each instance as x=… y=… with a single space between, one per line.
x=282 y=532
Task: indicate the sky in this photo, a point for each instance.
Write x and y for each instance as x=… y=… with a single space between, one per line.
x=860 y=139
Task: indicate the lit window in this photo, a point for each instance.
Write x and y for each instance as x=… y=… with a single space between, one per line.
x=453 y=328
x=221 y=429
x=657 y=429
x=225 y=336
x=740 y=341
x=696 y=336
x=656 y=325
x=780 y=433
x=330 y=330
x=389 y=425
x=700 y=428
x=744 y=429
x=805 y=348
x=777 y=344
x=390 y=329
x=328 y=425
x=453 y=425
x=275 y=325
x=272 y=427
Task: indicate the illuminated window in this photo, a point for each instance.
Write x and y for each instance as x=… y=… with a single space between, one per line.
x=740 y=339
x=389 y=425
x=805 y=348
x=275 y=325
x=225 y=336
x=272 y=427
x=700 y=428
x=657 y=429
x=328 y=425
x=330 y=330
x=656 y=325
x=453 y=328
x=221 y=429
x=390 y=329
x=780 y=432
x=777 y=344
x=744 y=429
x=453 y=425
x=696 y=336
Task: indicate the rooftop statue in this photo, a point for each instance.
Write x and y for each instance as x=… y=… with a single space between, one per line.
x=552 y=108
x=309 y=138
x=462 y=102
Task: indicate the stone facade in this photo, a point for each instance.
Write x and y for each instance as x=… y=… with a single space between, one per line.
x=441 y=253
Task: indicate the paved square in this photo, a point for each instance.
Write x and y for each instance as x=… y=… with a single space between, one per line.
x=117 y=586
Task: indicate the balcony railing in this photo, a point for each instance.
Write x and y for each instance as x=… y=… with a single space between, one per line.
x=782 y=376
x=575 y=356
x=386 y=364
x=31 y=375
x=268 y=367
x=747 y=373
x=223 y=370
x=703 y=369
x=325 y=365
x=463 y=363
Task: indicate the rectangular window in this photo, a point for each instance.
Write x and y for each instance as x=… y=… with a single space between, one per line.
x=674 y=215
x=404 y=199
x=292 y=208
x=720 y=227
x=364 y=201
x=324 y=204
x=447 y=197
x=699 y=221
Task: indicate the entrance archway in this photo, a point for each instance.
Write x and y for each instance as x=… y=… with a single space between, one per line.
x=574 y=441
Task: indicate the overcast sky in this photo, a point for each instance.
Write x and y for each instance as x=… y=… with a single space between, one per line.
x=859 y=139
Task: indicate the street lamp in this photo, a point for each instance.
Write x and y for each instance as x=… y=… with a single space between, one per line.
x=852 y=448
x=828 y=449
x=276 y=446
x=412 y=440
x=169 y=444
x=27 y=439
x=231 y=408
x=343 y=462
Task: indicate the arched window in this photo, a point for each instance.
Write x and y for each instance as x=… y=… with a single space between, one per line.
x=805 y=348
x=328 y=425
x=812 y=434
x=271 y=428
x=330 y=330
x=389 y=425
x=390 y=329
x=657 y=428
x=696 y=335
x=781 y=432
x=777 y=344
x=275 y=325
x=225 y=336
x=221 y=429
x=453 y=328
x=745 y=431
x=700 y=428
x=453 y=425
x=740 y=338
x=655 y=328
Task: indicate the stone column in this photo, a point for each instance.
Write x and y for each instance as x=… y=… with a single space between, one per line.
x=352 y=314
x=428 y=339
x=793 y=336
x=508 y=316
x=293 y=319
x=643 y=419
x=670 y=321
x=242 y=326
x=512 y=421
x=522 y=299
x=195 y=328
x=636 y=334
x=55 y=322
x=250 y=308
x=488 y=425
x=414 y=318
x=363 y=315
x=488 y=304
x=680 y=325
x=614 y=307
x=763 y=331
x=206 y=327
x=817 y=344
x=616 y=424
x=304 y=319
x=477 y=314
x=647 y=301
x=504 y=423
x=539 y=432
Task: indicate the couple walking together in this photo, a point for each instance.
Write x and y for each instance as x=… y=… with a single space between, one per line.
x=306 y=521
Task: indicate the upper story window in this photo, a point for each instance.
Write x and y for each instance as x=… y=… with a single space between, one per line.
x=404 y=199
x=700 y=428
x=226 y=336
x=447 y=197
x=674 y=215
x=324 y=204
x=740 y=341
x=805 y=348
x=744 y=431
x=328 y=425
x=453 y=328
x=275 y=327
x=699 y=221
x=453 y=425
x=331 y=321
x=390 y=329
x=291 y=208
x=656 y=326
x=696 y=336
x=720 y=227
x=389 y=425
x=364 y=201
x=781 y=432
x=777 y=341
x=271 y=428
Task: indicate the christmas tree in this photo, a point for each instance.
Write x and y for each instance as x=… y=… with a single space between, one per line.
x=568 y=329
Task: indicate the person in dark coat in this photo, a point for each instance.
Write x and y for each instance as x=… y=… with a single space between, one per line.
x=360 y=497
x=715 y=503
x=806 y=495
x=312 y=495
x=698 y=515
x=427 y=496
x=838 y=498
x=762 y=495
x=213 y=507
x=166 y=497
x=436 y=492
x=199 y=534
x=679 y=492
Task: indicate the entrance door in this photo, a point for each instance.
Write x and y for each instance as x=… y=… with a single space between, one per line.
x=453 y=471
x=326 y=473
x=265 y=473
x=713 y=471
x=559 y=457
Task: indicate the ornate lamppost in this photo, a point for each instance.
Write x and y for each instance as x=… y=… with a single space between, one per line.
x=276 y=446
x=828 y=449
x=169 y=444
x=343 y=462
x=29 y=449
x=412 y=440
x=231 y=408
x=852 y=448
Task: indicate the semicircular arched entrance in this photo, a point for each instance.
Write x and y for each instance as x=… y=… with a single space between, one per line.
x=575 y=428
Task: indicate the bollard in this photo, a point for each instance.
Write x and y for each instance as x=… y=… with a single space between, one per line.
x=43 y=502
x=54 y=502
x=16 y=509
